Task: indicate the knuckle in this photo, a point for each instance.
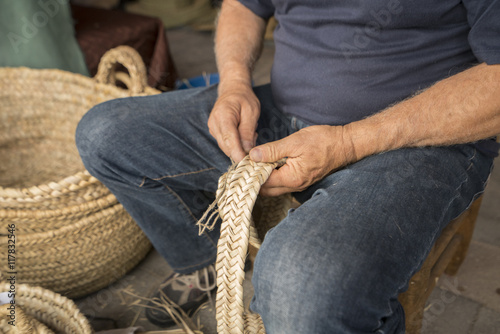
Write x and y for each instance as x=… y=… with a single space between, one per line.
x=226 y=139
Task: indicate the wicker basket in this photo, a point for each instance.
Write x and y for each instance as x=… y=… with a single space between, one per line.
x=72 y=236
x=41 y=311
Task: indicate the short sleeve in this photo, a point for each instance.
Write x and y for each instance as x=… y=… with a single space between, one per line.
x=484 y=36
x=262 y=8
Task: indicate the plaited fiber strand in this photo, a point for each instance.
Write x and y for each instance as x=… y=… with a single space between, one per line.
x=23 y=324
x=72 y=235
x=236 y=195
x=41 y=311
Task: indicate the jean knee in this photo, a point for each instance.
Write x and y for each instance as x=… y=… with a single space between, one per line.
x=291 y=299
x=98 y=133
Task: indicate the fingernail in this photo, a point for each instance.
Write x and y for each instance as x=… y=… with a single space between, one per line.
x=256 y=155
x=247 y=146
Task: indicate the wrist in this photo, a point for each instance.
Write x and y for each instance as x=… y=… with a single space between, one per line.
x=368 y=137
x=234 y=76
x=233 y=85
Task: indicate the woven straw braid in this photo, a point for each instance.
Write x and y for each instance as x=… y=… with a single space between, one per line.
x=236 y=195
x=72 y=236
x=39 y=309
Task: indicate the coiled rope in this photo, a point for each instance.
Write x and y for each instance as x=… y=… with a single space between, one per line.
x=235 y=199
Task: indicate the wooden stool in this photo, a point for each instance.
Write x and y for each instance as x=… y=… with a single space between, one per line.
x=446 y=256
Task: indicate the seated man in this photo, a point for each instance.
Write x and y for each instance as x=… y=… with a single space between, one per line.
x=385 y=110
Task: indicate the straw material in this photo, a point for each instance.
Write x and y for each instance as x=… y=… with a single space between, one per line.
x=72 y=236
x=236 y=196
x=41 y=311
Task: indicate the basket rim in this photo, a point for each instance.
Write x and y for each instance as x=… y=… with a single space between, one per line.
x=73 y=210
x=52 y=189
x=81 y=224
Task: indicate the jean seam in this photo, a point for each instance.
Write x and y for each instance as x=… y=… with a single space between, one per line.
x=448 y=207
x=175 y=175
x=181 y=201
x=480 y=193
x=205 y=234
x=471 y=164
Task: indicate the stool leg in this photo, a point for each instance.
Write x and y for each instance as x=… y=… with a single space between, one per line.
x=413 y=300
x=414 y=312
x=448 y=252
x=466 y=230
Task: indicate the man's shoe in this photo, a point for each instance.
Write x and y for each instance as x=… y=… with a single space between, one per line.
x=187 y=291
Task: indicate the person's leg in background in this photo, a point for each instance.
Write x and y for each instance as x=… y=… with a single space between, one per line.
x=158 y=158
x=337 y=263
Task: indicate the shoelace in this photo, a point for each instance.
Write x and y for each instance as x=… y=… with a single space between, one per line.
x=199 y=279
x=206 y=275
x=209 y=286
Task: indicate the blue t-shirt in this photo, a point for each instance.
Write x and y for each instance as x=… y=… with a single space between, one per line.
x=339 y=61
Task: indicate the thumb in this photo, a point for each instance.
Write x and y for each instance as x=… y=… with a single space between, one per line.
x=269 y=152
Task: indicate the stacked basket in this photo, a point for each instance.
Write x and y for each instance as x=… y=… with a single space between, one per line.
x=71 y=234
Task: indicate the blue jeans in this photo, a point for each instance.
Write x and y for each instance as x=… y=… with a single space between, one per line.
x=337 y=263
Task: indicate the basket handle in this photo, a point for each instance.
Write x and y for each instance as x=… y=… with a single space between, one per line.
x=136 y=82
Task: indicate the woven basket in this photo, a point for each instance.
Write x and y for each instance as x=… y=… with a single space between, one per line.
x=72 y=236
x=41 y=311
x=245 y=220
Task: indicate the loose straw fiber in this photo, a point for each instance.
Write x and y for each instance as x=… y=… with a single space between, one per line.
x=72 y=236
x=236 y=196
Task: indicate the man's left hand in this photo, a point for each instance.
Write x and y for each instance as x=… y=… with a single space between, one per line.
x=312 y=153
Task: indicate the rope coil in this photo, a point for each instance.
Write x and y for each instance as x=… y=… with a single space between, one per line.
x=236 y=197
x=41 y=311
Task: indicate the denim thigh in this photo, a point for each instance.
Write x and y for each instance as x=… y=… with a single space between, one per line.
x=337 y=263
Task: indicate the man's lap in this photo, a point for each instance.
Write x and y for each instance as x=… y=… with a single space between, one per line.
x=361 y=233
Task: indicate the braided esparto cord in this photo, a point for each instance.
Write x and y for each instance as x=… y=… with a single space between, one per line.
x=236 y=195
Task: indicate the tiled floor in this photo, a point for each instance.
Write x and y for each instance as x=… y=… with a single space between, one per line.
x=466 y=304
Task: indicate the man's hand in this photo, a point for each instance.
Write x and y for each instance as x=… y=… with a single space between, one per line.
x=312 y=153
x=233 y=120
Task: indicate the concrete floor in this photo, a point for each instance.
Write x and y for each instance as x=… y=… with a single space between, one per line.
x=466 y=304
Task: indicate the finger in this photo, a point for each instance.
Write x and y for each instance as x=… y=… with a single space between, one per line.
x=247 y=127
x=279 y=178
x=271 y=152
x=229 y=140
x=287 y=178
x=272 y=192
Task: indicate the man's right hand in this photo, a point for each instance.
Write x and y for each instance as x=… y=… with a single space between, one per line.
x=238 y=42
x=233 y=120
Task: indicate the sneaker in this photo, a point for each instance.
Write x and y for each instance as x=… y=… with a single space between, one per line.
x=186 y=292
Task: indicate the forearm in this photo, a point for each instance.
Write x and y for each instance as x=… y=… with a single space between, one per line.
x=238 y=43
x=459 y=109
